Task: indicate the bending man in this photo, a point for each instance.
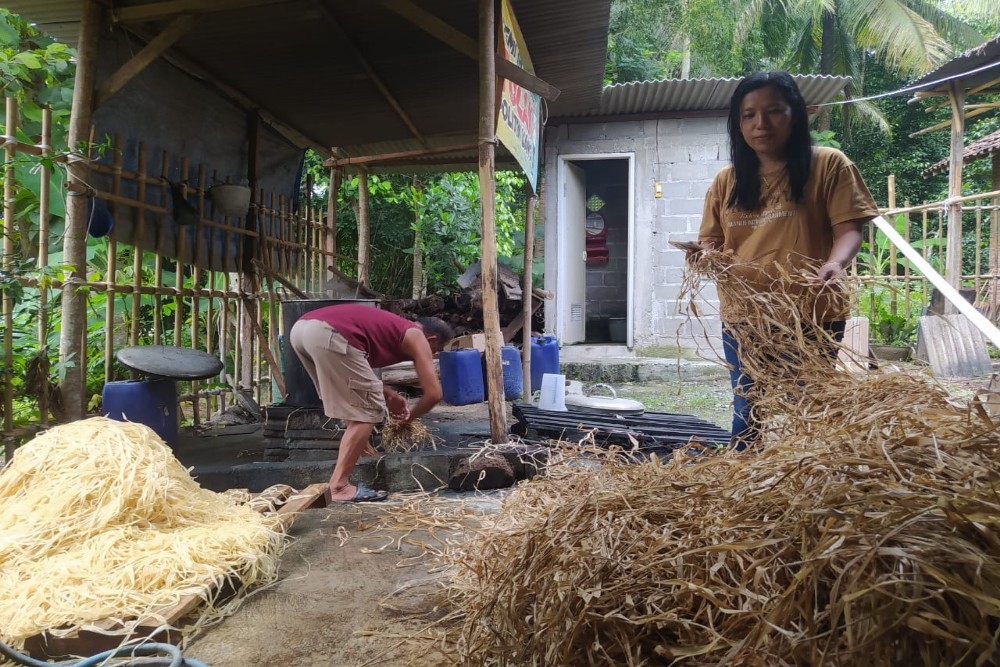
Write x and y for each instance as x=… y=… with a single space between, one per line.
x=339 y=346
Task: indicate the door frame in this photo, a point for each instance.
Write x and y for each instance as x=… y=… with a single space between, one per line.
x=561 y=238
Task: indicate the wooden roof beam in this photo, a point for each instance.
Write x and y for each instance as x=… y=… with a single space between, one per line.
x=947 y=123
x=140 y=61
x=283 y=128
x=372 y=74
x=978 y=89
x=466 y=45
x=389 y=157
x=168 y=8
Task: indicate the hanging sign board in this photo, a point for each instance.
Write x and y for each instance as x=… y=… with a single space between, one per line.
x=520 y=110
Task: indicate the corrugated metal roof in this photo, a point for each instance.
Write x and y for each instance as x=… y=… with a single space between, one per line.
x=687 y=95
x=978 y=149
x=986 y=55
x=57 y=18
x=290 y=60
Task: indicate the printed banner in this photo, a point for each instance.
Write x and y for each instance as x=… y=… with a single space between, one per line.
x=520 y=110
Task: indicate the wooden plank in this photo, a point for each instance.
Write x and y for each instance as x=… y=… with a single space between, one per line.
x=313 y=495
x=464 y=44
x=294 y=135
x=140 y=61
x=373 y=76
x=161 y=10
x=389 y=157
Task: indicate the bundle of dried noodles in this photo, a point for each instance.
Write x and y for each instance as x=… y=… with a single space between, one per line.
x=866 y=530
x=98 y=520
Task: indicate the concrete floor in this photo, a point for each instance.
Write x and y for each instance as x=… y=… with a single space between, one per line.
x=346 y=594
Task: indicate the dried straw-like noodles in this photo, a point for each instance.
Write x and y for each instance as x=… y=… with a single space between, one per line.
x=865 y=531
x=98 y=520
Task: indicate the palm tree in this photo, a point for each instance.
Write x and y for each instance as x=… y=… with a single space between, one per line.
x=834 y=36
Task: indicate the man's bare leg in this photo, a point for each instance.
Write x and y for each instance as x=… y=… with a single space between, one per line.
x=352 y=445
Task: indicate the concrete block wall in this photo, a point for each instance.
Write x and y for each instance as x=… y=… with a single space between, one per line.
x=688 y=153
x=683 y=155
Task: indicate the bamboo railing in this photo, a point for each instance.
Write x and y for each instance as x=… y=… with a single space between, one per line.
x=220 y=298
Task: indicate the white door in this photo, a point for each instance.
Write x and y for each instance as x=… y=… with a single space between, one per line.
x=572 y=289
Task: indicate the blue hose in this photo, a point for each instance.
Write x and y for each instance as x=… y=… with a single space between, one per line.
x=144 y=655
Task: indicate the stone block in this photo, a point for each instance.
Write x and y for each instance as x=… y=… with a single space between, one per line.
x=704 y=153
x=585 y=131
x=685 y=206
x=717 y=126
x=631 y=129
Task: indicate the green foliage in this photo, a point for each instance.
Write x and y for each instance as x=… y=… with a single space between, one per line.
x=442 y=208
x=891 y=323
x=824 y=138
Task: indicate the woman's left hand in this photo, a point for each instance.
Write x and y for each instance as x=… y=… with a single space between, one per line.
x=826 y=273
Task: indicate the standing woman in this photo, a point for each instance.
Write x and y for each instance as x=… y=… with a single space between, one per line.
x=784 y=202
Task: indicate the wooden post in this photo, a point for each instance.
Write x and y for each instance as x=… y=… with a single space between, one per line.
x=527 y=312
x=43 y=259
x=74 y=315
x=330 y=259
x=487 y=191
x=995 y=232
x=364 y=227
x=248 y=284
x=418 y=255
x=953 y=262
x=10 y=155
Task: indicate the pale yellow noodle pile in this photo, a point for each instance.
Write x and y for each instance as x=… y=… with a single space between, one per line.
x=99 y=520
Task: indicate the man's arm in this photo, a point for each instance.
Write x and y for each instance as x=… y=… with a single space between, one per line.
x=415 y=346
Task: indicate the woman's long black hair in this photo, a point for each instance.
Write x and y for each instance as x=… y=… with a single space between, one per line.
x=798 y=150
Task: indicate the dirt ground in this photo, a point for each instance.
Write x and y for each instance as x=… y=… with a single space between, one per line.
x=347 y=591
x=334 y=604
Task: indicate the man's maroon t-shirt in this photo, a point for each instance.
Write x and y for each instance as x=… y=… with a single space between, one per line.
x=375 y=332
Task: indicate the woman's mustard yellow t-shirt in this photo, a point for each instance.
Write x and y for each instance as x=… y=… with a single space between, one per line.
x=781 y=232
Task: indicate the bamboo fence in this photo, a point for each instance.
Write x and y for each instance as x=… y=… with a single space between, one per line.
x=229 y=276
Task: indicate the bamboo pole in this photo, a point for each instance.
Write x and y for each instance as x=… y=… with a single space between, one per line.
x=74 y=315
x=526 y=297
x=6 y=261
x=487 y=190
x=906 y=268
x=112 y=265
x=182 y=249
x=137 y=251
x=364 y=228
x=979 y=240
x=161 y=230
x=954 y=264
x=196 y=280
x=43 y=259
x=224 y=346
x=331 y=217
x=995 y=230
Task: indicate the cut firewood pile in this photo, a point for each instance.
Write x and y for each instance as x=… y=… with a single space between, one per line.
x=104 y=536
x=463 y=309
x=865 y=530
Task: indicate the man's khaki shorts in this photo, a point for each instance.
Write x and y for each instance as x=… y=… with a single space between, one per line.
x=340 y=372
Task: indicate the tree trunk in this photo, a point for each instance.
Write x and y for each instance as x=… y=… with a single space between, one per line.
x=74 y=301
x=487 y=190
x=826 y=62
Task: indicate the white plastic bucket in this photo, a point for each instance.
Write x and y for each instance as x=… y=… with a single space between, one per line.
x=553 y=394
